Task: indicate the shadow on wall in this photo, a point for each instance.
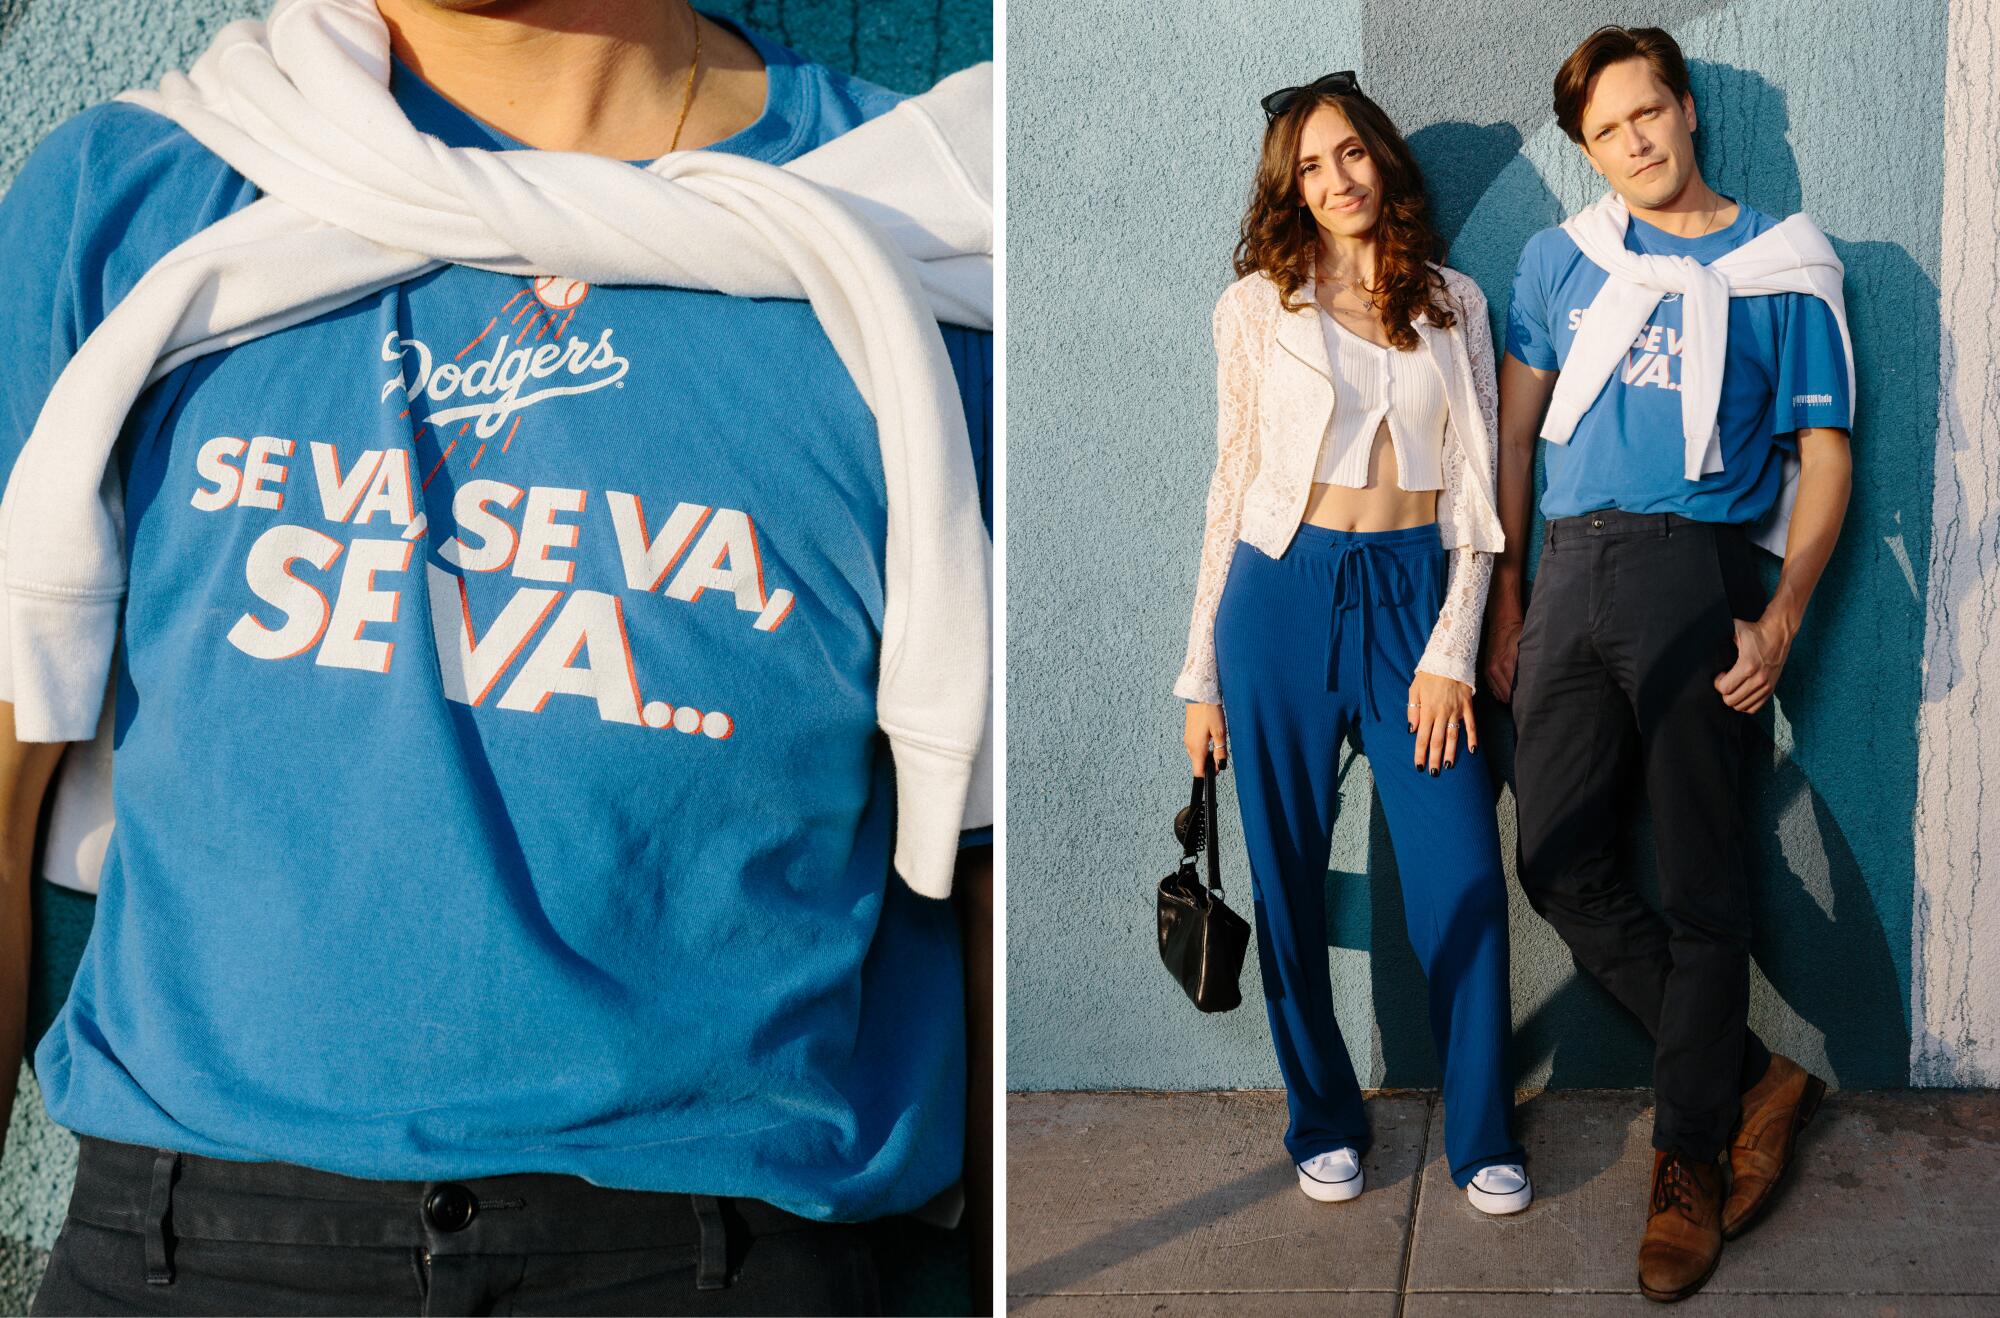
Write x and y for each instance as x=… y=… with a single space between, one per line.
x=1460 y=162
x=1812 y=907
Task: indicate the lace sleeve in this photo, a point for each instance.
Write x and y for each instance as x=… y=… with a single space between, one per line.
x=1235 y=464
x=1453 y=650
x=1485 y=381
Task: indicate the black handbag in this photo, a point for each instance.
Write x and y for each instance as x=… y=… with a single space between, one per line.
x=1202 y=941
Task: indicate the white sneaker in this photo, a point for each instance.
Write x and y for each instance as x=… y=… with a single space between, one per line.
x=1331 y=1177
x=1501 y=1189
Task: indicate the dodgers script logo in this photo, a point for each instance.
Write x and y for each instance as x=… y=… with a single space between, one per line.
x=520 y=370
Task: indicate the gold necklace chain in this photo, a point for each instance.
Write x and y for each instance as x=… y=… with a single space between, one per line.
x=1713 y=211
x=687 y=95
x=1323 y=272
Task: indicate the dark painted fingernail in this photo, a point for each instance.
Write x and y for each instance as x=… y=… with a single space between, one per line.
x=1448 y=763
x=1434 y=773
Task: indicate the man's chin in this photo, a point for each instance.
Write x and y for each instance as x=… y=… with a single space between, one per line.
x=1651 y=190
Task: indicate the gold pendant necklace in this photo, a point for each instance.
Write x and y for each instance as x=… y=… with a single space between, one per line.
x=1360 y=291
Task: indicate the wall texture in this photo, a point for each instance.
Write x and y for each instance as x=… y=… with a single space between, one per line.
x=57 y=59
x=1131 y=142
x=1957 y=1003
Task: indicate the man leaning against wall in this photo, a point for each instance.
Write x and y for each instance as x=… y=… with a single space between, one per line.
x=1687 y=358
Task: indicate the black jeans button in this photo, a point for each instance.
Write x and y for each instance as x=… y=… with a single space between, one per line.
x=1597 y=522
x=450 y=1207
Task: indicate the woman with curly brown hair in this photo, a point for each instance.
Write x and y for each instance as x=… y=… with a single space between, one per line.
x=1355 y=385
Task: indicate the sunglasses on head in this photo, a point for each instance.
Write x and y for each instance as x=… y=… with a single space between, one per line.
x=1338 y=84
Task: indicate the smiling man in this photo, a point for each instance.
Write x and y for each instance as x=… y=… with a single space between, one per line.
x=1686 y=356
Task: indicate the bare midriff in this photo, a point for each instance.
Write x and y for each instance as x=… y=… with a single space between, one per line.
x=1380 y=505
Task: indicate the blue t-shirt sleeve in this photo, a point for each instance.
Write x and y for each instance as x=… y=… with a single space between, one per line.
x=1528 y=333
x=1812 y=368
x=37 y=317
x=94 y=207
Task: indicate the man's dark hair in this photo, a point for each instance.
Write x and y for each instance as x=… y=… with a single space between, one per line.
x=1607 y=46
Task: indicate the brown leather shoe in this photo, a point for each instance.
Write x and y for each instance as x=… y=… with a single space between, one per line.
x=1775 y=1110
x=1683 y=1240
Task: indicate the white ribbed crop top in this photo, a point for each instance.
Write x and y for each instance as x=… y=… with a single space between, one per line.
x=1372 y=383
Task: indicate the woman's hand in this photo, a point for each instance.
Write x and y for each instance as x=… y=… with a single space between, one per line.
x=1205 y=728
x=1438 y=708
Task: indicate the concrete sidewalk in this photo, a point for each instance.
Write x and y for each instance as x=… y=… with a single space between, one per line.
x=1168 y=1205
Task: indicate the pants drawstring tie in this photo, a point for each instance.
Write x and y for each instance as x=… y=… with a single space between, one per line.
x=1359 y=572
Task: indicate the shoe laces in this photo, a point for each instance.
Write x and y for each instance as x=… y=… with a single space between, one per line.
x=1674 y=1186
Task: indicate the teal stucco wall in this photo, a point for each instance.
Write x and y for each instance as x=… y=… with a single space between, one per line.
x=1131 y=141
x=59 y=58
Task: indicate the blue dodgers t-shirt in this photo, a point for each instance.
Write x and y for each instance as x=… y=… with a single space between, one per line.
x=498 y=786
x=1785 y=370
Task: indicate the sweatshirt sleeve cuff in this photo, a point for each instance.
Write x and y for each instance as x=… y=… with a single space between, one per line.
x=59 y=661
x=979 y=806
x=933 y=785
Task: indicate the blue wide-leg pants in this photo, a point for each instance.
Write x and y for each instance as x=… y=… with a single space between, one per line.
x=1311 y=647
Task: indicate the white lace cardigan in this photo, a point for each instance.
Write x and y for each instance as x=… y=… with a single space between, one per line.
x=1274 y=403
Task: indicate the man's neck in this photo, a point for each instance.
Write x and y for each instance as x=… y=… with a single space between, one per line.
x=1693 y=212
x=606 y=77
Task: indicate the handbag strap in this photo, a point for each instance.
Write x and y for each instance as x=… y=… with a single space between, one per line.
x=1197 y=826
x=1201 y=826
x=1209 y=829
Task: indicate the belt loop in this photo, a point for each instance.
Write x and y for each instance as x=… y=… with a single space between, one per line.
x=159 y=1209
x=712 y=1272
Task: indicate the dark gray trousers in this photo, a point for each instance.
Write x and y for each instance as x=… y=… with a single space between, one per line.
x=156 y=1232
x=1629 y=625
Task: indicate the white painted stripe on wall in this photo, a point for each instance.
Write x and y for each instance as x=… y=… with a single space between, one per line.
x=1955 y=933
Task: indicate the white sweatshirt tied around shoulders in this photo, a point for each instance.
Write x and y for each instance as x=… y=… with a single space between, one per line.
x=1793 y=257
x=885 y=231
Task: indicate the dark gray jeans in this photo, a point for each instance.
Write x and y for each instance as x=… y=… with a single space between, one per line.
x=156 y=1232
x=1628 y=627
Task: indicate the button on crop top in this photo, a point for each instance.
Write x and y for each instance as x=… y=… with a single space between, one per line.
x=1372 y=383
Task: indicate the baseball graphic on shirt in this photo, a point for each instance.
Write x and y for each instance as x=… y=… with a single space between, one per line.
x=558 y=293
